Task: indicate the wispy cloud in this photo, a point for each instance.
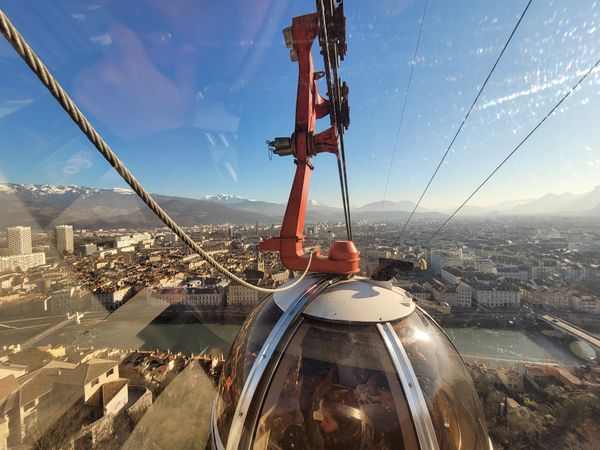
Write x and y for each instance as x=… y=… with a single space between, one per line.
x=537 y=88
x=102 y=39
x=12 y=106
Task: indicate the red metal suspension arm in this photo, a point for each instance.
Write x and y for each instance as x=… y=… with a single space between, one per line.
x=343 y=257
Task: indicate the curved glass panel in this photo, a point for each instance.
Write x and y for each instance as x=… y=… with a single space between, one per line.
x=186 y=92
x=448 y=388
x=335 y=388
x=243 y=353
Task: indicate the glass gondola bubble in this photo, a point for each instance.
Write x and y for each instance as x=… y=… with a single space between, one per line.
x=345 y=363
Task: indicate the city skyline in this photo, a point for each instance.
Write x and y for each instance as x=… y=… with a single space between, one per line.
x=232 y=199
x=140 y=312
x=204 y=129
x=482 y=331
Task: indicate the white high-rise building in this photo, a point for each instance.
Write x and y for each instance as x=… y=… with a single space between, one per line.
x=64 y=238
x=23 y=262
x=439 y=259
x=19 y=240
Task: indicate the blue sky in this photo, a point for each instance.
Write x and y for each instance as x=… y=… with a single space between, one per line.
x=186 y=92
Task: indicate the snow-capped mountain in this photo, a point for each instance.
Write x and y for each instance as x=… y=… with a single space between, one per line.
x=40 y=206
x=41 y=190
x=123 y=191
x=226 y=199
x=316 y=211
x=247 y=204
x=45 y=205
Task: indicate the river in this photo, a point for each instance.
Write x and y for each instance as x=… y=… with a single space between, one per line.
x=509 y=345
x=501 y=344
x=133 y=327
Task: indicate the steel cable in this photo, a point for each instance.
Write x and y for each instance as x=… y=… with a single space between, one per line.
x=464 y=120
x=41 y=71
x=334 y=92
x=408 y=85
x=548 y=114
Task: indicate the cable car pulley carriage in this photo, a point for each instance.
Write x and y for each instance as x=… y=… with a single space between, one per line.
x=338 y=361
x=330 y=360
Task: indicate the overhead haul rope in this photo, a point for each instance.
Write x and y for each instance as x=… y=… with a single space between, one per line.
x=408 y=85
x=41 y=71
x=334 y=91
x=464 y=120
x=548 y=114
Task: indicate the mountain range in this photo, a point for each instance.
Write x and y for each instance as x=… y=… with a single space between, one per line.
x=85 y=207
x=567 y=204
x=41 y=206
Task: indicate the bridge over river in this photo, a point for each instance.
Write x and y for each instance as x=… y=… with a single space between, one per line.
x=573 y=330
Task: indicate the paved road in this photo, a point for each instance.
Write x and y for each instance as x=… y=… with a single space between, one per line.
x=47 y=332
x=20 y=331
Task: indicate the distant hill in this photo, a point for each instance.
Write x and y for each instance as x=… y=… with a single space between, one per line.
x=567 y=204
x=316 y=211
x=393 y=215
x=587 y=204
x=41 y=206
x=388 y=205
x=247 y=204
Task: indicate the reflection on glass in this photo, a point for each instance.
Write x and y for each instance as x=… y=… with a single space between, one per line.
x=335 y=388
x=242 y=355
x=454 y=407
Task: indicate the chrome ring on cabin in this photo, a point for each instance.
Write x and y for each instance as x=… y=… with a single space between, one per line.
x=215 y=439
x=265 y=354
x=412 y=389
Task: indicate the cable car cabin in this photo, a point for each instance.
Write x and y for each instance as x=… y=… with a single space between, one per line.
x=338 y=363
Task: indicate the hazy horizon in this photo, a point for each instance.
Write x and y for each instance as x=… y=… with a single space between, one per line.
x=187 y=102
x=424 y=205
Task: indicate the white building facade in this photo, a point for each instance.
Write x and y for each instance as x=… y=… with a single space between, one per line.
x=497 y=296
x=19 y=240
x=23 y=262
x=64 y=238
x=457 y=258
x=464 y=296
x=586 y=304
x=243 y=296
